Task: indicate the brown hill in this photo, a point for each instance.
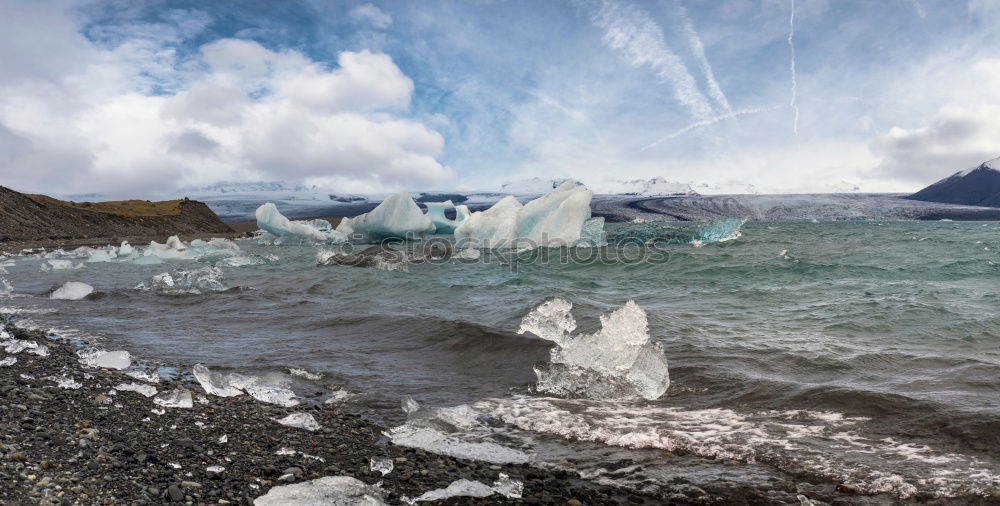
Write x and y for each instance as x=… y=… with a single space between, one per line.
x=25 y=217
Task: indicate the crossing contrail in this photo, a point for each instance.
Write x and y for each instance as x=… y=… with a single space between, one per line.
x=694 y=40
x=706 y=122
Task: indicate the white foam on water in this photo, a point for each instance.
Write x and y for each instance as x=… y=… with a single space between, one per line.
x=302 y=373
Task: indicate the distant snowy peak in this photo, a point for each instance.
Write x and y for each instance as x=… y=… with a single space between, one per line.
x=978 y=186
x=655 y=187
x=238 y=187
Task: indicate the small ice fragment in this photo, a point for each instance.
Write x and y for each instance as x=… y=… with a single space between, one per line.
x=284 y=451
x=7 y=362
x=273 y=394
x=72 y=290
x=39 y=349
x=157 y=411
x=215 y=383
x=147 y=390
x=458 y=488
x=174 y=465
x=301 y=421
x=508 y=487
x=383 y=465
x=214 y=470
x=223 y=439
x=147 y=375
x=329 y=490
x=410 y=405
x=176 y=398
x=302 y=373
x=68 y=383
x=92 y=357
x=338 y=396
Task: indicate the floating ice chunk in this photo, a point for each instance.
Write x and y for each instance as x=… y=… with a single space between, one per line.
x=326 y=491
x=102 y=255
x=272 y=394
x=338 y=396
x=383 y=465
x=557 y=218
x=273 y=222
x=593 y=234
x=380 y=256
x=215 y=383
x=302 y=373
x=409 y=405
x=60 y=265
x=7 y=362
x=435 y=441
x=68 y=383
x=176 y=398
x=397 y=217
x=243 y=261
x=6 y=288
x=125 y=249
x=457 y=488
x=493 y=228
x=301 y=421
x=618 y=362
x=72 y=290
x=174 y=249
x=92 y=357
x=139 y=388
x=443 y=225
x=182 y=282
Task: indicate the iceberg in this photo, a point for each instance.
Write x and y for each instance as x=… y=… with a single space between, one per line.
x=443 y=225
x=274 y=223
x=397 y=217
x=556 y=218
x=103 y=255
x=125 y=249
x=326 y=491
x=72 y=290
x=493 y=228
x=618 y=362
x=59 y=265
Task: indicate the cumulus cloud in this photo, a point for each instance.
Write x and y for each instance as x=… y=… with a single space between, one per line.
x=373 y=15
x=134 y=117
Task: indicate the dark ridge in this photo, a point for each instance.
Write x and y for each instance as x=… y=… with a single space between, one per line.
x=976 y=187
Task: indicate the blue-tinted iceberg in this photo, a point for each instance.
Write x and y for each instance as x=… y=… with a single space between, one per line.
x=397 y=217
x=443 y=225
x=273 y=222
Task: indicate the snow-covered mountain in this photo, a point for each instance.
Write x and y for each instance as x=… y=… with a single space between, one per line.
x=532 y=186
x=978 y=186
x=655 y=187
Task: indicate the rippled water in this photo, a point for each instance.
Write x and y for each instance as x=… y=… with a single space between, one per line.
x=859 y=352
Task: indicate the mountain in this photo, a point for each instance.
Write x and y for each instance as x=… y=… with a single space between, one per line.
x=25 y=217
x=978 y=186
x=655 y=187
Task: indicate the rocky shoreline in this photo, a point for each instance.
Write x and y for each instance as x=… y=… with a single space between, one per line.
x=85 y=445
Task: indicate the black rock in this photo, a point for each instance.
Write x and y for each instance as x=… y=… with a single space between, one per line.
x=175 y=494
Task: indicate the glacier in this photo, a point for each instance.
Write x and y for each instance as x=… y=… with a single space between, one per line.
x=618 y=362
x=397 y=217
x=276 y=224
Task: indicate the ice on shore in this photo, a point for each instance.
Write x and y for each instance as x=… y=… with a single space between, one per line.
x=443 y=225
x=301 y=421
x=326 y=491
x=272 y=394
x=270 y=220
x=72 y=290
x=382 y=465
x=176 y=398
x=15 y=346
x=7 y=362
x=618 y=362
x=68 y=383
x=435 y=441
x=139 y=388
x=218 y=384
x=505 y=486
x=397 y=217
x=92 y=357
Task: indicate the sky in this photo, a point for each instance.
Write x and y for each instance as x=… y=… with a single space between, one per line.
x=154 y=98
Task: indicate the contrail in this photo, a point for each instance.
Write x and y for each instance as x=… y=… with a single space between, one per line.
x=633 y=33
x=698 y=49
x=706 y=122
x=795 y=91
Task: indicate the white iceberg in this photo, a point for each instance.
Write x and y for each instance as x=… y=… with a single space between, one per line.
x=301 y=421
x=59 y=265
x=618 y=362
x=174 y=249
x=92 y=357
x=274 y=223
x=72 y=290
x=493 y=228
x=397 y=217
x=443 y=225
x=326 y=491
x=176 y=398
x=103 y=255
x=556 y=218
x=125 y=249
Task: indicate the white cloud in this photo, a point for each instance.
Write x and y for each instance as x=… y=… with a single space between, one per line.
x=136 y=118
x=373 y=15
